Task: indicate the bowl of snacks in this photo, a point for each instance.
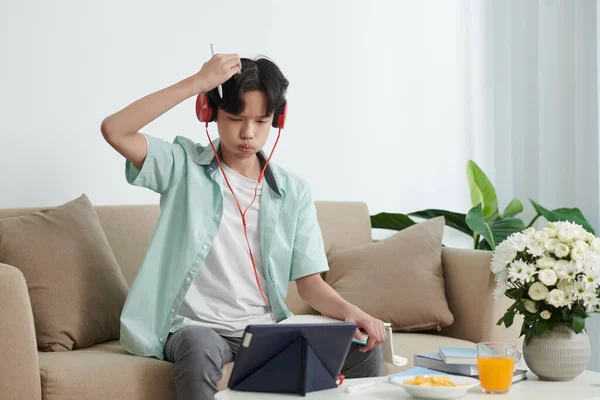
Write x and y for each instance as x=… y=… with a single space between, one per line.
x=436 y=386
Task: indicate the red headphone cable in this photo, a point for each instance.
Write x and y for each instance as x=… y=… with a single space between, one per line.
x=243 y=213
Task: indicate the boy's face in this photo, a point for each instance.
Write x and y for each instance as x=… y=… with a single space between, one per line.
x=244 y=135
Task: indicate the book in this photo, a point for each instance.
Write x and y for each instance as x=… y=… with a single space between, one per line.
x=458 y=355
x=435 y=362
x=322 y=319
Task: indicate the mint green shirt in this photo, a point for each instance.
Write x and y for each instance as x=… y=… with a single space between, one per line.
x=190 y=183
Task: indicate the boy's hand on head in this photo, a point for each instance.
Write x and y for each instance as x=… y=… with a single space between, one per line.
x=373 y=327
x=217 y=70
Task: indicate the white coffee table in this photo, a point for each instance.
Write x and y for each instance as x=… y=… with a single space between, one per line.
x=584 y=387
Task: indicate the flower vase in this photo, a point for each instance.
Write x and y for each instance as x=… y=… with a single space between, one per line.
x=558 y=355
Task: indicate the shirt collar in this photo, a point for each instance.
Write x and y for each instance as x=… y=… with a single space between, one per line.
x=207 y=158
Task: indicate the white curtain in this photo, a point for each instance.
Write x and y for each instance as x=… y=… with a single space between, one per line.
x=531 y=104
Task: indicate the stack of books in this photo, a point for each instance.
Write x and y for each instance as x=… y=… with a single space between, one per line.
x=457 y=361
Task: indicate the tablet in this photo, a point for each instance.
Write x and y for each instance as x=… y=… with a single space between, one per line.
x=292 y=358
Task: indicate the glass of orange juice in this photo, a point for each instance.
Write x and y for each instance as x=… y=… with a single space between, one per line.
x=496 y=365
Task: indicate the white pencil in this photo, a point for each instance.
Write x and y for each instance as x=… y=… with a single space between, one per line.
x=212 y=50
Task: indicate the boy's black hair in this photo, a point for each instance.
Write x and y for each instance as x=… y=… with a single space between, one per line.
x=259 y=74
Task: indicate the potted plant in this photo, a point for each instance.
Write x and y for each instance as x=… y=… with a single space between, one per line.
x=553 y=276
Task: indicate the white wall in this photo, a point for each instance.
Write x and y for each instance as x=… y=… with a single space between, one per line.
x=374 y=114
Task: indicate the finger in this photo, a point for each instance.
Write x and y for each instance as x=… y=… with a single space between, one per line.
x=373 y=334
x=380 y=335
x=383 y=332
x=371 y=344
x=219 y=57
x=234 y=72
x=359 y=335
x=227 y=58
x=382 y=339
x=233 y=63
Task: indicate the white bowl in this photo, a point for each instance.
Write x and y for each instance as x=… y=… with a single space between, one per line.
x=437 y=392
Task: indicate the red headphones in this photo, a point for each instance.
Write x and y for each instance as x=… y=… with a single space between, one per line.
x=206 y=113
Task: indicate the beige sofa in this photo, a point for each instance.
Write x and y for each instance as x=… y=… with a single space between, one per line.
x=107 y=371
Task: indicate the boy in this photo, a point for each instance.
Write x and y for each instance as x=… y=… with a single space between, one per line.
x=196 y=290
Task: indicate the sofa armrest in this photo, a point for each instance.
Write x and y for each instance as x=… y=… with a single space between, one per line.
x=19 y=369
x=470 y=293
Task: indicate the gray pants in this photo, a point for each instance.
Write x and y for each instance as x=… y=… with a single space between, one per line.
x=199 y=353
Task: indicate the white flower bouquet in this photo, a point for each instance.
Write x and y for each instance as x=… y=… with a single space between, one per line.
x=552 y=274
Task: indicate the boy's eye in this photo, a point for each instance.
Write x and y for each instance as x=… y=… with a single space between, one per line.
x=235 y=119
x=263 y=122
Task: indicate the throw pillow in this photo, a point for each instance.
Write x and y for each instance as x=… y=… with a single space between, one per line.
x=76 y=286
x=398 y=279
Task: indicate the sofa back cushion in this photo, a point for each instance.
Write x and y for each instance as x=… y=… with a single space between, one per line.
x=398 y=280
x=76 y=287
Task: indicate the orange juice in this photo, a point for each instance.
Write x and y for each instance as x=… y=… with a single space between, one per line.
x=495 y=373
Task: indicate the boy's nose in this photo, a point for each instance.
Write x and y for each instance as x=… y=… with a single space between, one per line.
x=247 y=131
x=247 y=135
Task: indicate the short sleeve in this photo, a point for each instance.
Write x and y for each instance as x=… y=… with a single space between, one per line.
x=308 y=254
x=164 y=166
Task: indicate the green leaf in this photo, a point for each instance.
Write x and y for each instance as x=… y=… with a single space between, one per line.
x=495 y=232
x=580 y=312
x=528 y=334
x=395 y=222
x=542 y=325
x=453 y=219
x=565 y=314
x=477 y=223
x=529 y=319
x=482 y=190
x=578 y=323
x=514 y=293
x=564 y=214
x=495 y=215
x=513 y=208
x=509 y=318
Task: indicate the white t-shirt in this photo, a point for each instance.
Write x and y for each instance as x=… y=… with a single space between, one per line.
x=224 y=295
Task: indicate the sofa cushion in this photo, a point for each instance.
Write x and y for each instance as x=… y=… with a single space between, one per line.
x=75 y=285
x=398 y=279
x=108 y=371
x=105 y=371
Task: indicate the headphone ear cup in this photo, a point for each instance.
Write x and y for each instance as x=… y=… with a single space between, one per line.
x=279 y=117
x=203 y=109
